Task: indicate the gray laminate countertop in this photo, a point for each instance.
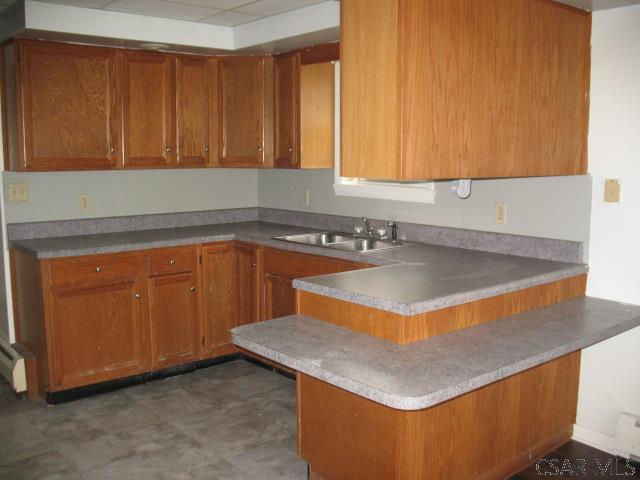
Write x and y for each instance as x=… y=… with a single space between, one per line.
x=409 y=280
x=426 y=373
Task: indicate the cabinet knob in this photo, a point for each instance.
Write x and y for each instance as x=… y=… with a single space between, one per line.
x=98 y=269
x=112 y=150
x=137 y=295
x=193 y=289
x=253 y=264
x=172 y=262
x=259 y=147
x=206 y=148
x=290 y=149
x=167 y=149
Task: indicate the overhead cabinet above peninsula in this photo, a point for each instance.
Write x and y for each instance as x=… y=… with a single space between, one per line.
x=463 y=88
x=78 y=107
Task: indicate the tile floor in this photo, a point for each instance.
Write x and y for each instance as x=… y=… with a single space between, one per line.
x=229 y=421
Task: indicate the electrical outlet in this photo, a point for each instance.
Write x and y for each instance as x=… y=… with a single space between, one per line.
x=18 y=192
x=501 y=213
x=85 y=202
x=612 y=190
x=306 y=197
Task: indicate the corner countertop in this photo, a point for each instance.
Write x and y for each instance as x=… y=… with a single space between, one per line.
x=432 y=371
x=408 y=280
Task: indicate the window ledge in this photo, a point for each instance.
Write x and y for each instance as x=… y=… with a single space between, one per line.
x=402 y=193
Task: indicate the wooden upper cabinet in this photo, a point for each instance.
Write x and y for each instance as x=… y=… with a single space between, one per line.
x=245 y=110
x=148 y=110
x=287 y=110
x=304 y=111
x=459 y=89
x=193 y=102
x=67 y=113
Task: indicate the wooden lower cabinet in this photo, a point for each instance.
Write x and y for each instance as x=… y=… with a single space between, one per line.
x=92 y=344
x=173 y=306
x=282 y=267
x=95 y=318
x=249 y=283
x=220 y=297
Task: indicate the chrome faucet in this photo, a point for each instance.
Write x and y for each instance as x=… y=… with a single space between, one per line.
x=394 y=230
x=367 y=227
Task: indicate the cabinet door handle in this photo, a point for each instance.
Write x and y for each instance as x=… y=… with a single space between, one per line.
x=172 y=262
x=98 y=269
x=259 y=147
x=137 y=295
x=193 y=289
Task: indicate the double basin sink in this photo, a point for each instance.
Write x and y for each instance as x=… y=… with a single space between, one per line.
x=342 y=241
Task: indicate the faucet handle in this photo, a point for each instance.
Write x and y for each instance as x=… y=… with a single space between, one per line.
x=382 y=233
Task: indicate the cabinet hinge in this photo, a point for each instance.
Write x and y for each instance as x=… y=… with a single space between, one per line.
x=203 y=341
x=200 y=259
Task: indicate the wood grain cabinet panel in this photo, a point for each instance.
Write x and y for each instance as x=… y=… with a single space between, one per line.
x=220 y=295
x=287 y=110
x=193 y=99
x=173 y=305
x=463 y=89
x=282 y=267
x=249 y=283
x=245 y=96
x=174 y=320
x=148 y=108
x=304 y=113
x=90 y=344
x=68 y=113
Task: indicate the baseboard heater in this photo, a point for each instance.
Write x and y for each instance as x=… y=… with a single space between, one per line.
x=12 y=366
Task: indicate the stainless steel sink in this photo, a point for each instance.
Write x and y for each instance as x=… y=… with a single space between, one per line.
x=341 y=241
x=364 y=245
x=321 y=238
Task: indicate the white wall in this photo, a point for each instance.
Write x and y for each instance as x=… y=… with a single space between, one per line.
x=553 y=207
x=56 y=196
x=610 y=380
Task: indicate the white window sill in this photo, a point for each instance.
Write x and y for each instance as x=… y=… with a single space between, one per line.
x=401 y=193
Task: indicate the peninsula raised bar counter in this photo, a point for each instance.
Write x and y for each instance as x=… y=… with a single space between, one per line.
x=481 y=402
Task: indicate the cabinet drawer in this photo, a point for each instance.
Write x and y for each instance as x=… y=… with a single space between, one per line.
x=94 y=269
x=172 y=260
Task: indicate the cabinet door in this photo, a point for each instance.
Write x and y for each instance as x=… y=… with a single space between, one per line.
x=279 y=296
x=173 y=314
x=248 y=284
x=287 y=110
x=193 y=87
x=97 y=334
x=70 y=115
x=149 y=120
x=219 y=265
x=241 y=98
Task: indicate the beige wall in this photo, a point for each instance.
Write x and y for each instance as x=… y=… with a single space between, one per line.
x=553 y=207
x=56 y=196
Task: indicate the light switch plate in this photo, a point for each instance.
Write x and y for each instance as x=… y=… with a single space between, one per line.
x=18 y=192
x=612 y=190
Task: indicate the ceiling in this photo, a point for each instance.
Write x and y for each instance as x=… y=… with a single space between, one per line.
x=215 y=12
